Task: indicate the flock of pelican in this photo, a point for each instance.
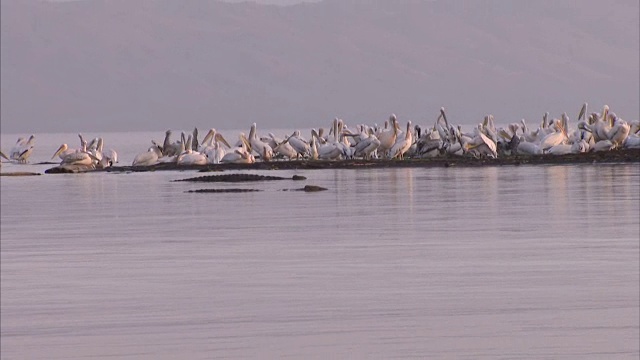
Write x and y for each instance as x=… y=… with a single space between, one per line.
x=601 y=131
x=21 y=150
x=594 y=132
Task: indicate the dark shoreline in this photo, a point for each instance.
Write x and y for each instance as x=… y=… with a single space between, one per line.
x=616 y=156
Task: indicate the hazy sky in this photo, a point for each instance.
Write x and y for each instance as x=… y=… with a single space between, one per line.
x=151 y=65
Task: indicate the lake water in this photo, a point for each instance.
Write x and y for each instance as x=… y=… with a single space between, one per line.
x=525 y=262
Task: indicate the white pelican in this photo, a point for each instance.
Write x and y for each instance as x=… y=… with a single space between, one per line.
x=195 y=145
x=313 y=148
x=529 y=136
x=150 y=157
x=580 y=146
x=22 y=149
x=112 y=155
x=258 y=146
x=561 y=149
x=632 y=142
x=481 y=144
x=82 y=157
x=528 y=148
x=488 y=128
x=366 y=145
x=402 y=145
x=601 y=125
x=214 y=153
x=191 y=157
x=63 y=151
x=283 y=148
x=619 y=132
x=429 y=144
x=170 y=149
x=559 y=136
x=603 y=145
x=331 y=149
x=388 y=137
x=212 y=146
x=238 y=156
x=300 y=145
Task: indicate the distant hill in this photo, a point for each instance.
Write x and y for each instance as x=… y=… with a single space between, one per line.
x=111 y=65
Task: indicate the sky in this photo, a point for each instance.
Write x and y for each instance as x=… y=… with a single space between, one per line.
x=98 y=65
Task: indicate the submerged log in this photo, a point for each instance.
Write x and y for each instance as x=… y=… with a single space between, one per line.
x=308 y=188
x=222 y=190
x=239 y=178
x=19 y=173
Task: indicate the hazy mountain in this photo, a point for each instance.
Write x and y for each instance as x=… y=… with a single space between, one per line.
x=111 y=65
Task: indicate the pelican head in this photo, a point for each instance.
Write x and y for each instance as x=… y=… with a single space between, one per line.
x=219 y=138
x=210 y=135
x=605 y=112
x=61 y=149
x=444 y=116
x=583 y=112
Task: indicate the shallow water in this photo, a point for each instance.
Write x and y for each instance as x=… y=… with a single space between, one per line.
x=525 y=262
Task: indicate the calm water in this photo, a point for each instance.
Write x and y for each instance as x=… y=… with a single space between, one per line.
x=529 y=262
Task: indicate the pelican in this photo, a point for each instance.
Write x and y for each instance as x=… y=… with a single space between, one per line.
x=150 y=157
x=22 y=150
x=560 y=149
x=528 y=148
x=401 y=146
x=313 y=149
x=97 y=148
x=300 y=145
x=212 y=148
x=170 y=149
x=529 y=136
x=481 y=144
x=366 y=145
x=332 y=148
x=557 y=137
x=442 y=130
x=632 y=142
x=600 y=125
x=82 y=157
x=194 y=140
x=619 y=132
x=388 y=137
x=429 y=144
x=112 y=155
x=189 y=156
x=238 y=157
x=283 y=147
x=489 y=129
x=63 y=151
x=453 y=145
x=261 y=148
x=603 y=145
